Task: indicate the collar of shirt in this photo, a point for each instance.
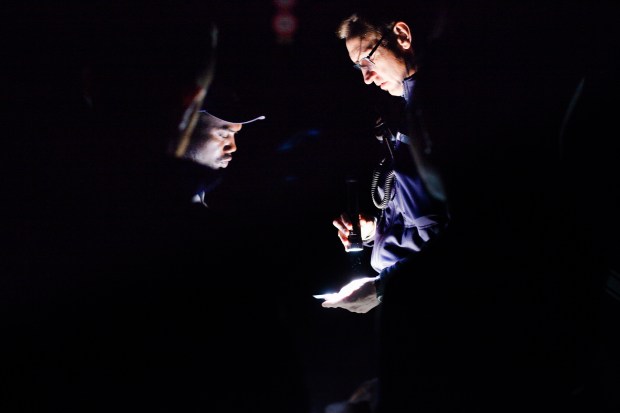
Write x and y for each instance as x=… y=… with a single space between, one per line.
x=408 y=85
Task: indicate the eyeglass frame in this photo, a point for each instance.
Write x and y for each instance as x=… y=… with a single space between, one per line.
x=358 y=65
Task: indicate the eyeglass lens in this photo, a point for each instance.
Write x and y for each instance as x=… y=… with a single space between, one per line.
x=366 y=62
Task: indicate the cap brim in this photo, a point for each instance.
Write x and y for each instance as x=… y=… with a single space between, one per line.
x=242 y=122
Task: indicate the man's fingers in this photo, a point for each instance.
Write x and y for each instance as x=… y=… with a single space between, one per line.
x=339 y=225
x=344 y=219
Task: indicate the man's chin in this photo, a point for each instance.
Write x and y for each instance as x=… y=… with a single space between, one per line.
x=391 y=88
x=395 y=92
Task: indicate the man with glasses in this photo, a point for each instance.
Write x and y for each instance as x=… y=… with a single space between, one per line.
x=412 y=210
x=501 y=311
x=408 y=195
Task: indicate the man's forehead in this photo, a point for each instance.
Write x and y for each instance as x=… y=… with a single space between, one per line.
x=358 y=47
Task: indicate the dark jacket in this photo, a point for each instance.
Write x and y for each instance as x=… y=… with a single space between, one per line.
x=413 y=215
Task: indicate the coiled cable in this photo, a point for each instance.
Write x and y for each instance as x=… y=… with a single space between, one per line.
x=383 y=174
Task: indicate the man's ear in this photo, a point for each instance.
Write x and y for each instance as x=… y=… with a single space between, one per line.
x=192 y=102
x=403 y=35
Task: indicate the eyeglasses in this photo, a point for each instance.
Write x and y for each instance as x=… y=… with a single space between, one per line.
x=366 y=62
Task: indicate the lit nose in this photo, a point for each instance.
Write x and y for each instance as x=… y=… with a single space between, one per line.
x=368 y=75
x=231 y=146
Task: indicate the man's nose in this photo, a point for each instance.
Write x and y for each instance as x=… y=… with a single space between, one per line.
x=231 y=146
x=368 y=75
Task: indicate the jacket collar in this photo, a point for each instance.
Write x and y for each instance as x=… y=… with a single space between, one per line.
x=408 y=84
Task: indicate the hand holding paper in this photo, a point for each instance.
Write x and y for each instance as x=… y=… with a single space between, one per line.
x=359 y=296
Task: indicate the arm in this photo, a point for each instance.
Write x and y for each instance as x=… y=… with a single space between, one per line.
x=363 y=294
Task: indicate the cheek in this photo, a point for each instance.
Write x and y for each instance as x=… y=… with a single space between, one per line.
x=211 y=145
x=384 y=73
x=393 y=70
x=389 y=74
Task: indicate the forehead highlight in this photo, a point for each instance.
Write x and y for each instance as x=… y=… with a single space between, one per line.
x=356 y=46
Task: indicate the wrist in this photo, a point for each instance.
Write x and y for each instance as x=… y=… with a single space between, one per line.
x=379 y=287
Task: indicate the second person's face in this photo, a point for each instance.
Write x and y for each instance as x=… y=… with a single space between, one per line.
x=213 y=142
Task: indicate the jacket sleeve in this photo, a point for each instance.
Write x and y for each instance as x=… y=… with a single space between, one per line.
x=412 y=218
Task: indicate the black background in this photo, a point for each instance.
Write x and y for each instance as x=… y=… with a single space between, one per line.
x=287 y=178
x=289 y=173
